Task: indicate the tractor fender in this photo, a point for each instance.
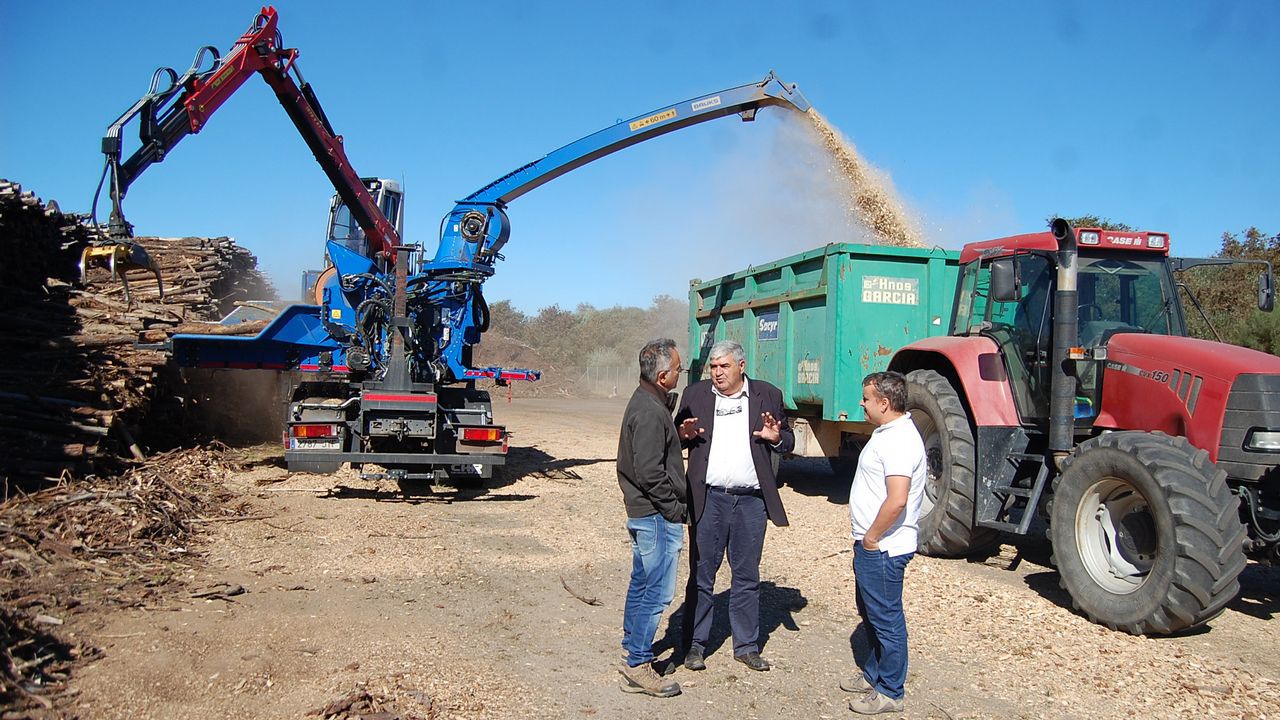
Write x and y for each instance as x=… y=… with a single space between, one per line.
x=973 y=364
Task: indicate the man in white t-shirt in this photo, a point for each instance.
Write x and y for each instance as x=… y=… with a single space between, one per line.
x=884 y=511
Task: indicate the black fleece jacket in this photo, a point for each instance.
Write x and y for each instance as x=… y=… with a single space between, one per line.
x=650 y=466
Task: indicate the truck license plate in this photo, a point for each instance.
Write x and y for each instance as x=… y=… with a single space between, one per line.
x=315 y=444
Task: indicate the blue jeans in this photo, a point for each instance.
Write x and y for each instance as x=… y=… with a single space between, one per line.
x=655 y=553
x=879 y=582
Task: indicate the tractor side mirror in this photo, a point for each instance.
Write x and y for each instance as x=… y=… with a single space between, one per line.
x=1004 y=281
x=1266 y=292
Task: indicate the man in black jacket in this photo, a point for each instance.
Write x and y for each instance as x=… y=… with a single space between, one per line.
x=651 y=474
x=735 y=429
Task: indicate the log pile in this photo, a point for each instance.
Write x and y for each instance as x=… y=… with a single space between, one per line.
x=76 y=378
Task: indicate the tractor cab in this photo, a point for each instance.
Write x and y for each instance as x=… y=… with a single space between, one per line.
x=1006 y=293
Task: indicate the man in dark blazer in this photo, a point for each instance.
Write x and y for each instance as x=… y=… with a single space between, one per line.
x=735 y=429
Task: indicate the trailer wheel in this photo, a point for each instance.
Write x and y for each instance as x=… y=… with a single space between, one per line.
x=946 y=515
x=1146 y=533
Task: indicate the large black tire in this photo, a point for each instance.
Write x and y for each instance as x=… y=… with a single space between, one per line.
x=845 y=463
x=946 y=517
x=1146 y=533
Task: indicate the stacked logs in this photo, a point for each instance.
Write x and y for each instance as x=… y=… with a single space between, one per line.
x=76 y=374
x=203 y=278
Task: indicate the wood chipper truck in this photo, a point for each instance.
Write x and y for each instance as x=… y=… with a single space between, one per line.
x=1065 y=387
x=382 y=348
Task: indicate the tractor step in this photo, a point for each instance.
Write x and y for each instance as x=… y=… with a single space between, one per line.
x=1001 y=526
x=1030 y=495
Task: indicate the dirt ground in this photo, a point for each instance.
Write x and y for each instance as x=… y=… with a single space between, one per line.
x=506 y=602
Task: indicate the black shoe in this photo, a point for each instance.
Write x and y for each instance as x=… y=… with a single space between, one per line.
x=753 y=661
x=693 y=660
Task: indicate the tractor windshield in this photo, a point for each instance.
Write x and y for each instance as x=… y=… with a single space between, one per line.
x=1126 y=294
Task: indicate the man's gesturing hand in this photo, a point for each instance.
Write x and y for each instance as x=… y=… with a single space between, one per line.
x=772 y=430
x=689 y=429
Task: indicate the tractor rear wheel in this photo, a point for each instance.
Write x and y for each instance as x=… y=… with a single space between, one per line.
x=946 y=515
x=1146 y=533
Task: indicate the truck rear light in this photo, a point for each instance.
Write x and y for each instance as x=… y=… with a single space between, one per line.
x=1157 y=241
x=1090 y=237
x=1259 y=440
x=315 y=431
x=482 y=434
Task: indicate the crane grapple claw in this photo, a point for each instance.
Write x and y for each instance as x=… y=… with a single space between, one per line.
x=120 y=258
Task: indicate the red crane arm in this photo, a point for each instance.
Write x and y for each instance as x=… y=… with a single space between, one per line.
x=259 y=50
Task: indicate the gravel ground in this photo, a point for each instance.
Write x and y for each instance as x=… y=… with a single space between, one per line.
x=506 y=601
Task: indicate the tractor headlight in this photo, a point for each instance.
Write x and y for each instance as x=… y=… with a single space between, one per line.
x=1259 y=440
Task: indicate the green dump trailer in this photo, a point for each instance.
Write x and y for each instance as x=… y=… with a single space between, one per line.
x=816 y=323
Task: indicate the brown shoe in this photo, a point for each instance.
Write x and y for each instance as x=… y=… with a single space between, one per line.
x=873 y=703
x=856 y=684
x=644 y=679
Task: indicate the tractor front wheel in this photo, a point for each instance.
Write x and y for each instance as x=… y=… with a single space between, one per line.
x=1146 y=533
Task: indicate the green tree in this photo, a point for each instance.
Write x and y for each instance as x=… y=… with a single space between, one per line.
x=506 y=319
x=1093 y=221
x=1228 y=293
x=564 y=342
x=1261 y=331
x=555 y=332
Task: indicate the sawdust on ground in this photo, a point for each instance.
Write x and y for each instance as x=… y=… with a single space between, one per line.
x=505 y=601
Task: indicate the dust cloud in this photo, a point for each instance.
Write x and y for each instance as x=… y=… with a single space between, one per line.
x=785 y=184
x=238 y=407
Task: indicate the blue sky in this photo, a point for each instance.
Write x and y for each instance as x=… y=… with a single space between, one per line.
x=987 y=117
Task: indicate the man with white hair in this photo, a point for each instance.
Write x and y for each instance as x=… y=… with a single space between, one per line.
x=735 y=429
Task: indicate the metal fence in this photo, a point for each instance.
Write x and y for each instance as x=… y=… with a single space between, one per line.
x=610 y=382
x=607 y=381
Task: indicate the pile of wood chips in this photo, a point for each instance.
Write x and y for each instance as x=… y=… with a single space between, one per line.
x=116 y=542
x=78 y=377
x=362 y=705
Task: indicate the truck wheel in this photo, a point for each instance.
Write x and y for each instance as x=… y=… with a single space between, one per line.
x=845 y=463
x=946 y=514
x=843 y=466
x=1146 y=534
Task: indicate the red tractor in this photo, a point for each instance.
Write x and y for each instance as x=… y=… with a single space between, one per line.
x=1068 y=388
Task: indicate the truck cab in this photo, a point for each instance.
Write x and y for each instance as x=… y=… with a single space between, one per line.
x=343 y=227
